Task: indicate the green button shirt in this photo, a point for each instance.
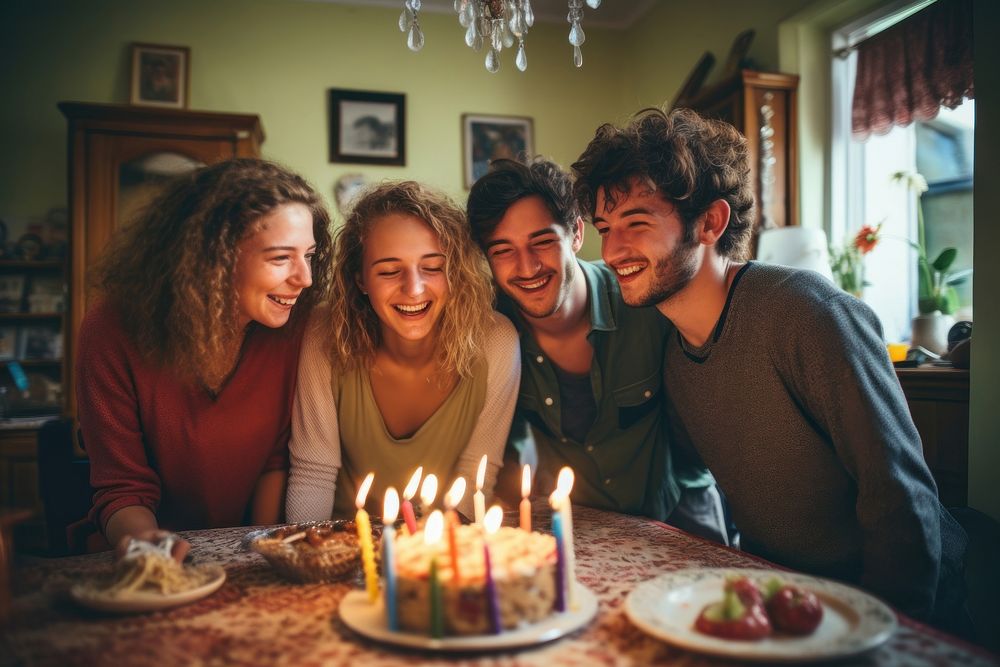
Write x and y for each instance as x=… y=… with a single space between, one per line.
x=624 y=463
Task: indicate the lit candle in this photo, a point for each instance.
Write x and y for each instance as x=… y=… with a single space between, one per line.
x=432 y=535
x=451 y=499
x=389 y=510
x=491 y=524
x=557 y=532
x=478 y=499
x=525 y=503
x=564 y=484
x=428 y=491
x=408 y=493
x=365 y=538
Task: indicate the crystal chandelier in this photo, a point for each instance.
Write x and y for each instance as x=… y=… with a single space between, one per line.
x=497 y=24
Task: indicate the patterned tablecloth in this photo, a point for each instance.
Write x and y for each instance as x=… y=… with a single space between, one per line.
x=256 y=618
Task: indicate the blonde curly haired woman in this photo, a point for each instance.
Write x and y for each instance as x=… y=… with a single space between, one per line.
x=187 y=359
x=408 y=366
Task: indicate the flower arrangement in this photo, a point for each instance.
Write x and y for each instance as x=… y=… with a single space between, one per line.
x=847 y=264
x=935 y=282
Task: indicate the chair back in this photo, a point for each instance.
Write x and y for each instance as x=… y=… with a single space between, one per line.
x=64 y=485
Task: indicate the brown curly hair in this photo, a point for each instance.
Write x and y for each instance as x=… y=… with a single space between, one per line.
x=170 y=273
x=508 y=182
x=692 y=161
x=354 y=327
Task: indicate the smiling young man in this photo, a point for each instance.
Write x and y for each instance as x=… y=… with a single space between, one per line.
x=780 y=381
x=591 y=377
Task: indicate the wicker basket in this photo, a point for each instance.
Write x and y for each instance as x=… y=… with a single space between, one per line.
x=316 y=551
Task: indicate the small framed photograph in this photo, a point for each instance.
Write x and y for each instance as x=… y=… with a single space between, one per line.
x=11 y=292
x=367 y=127
x=488 y=138
x=8 y=343
x=160 y=75
x=39 y=342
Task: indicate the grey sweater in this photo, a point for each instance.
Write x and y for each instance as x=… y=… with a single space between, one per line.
x=794 y=406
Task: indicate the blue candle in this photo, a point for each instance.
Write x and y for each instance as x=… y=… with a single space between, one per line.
x=557 y=531
x=389 y=512
x=389 y=569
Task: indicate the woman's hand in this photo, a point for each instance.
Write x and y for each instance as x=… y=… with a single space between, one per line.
x=179 y=550
x=137 y=522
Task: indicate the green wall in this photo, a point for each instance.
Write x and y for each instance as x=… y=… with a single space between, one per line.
x=278 y=58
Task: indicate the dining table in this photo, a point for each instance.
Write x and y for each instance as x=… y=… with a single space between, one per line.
x=259 y=618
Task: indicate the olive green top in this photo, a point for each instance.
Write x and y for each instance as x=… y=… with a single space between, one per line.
x=367 y=445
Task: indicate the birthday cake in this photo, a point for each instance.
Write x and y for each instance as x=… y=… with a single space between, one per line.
x=523 y=568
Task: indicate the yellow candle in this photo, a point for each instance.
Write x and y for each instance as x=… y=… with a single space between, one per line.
x=564 y=485
x=451 y=499
x=525 y=503
x=478 y=499
x=365 y=538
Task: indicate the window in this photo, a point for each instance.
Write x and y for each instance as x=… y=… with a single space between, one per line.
x=863 y=192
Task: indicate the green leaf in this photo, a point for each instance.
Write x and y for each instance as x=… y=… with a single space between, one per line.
x=958 y=277
x=927 y=305
x=945 y=259
x=948 y=301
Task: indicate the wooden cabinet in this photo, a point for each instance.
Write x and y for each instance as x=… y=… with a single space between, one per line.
x=938 y=399
x=118 y=157
x=763 y=106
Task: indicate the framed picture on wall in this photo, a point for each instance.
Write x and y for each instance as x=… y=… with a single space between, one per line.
x=487 y=138
x=160 y=75
x=367 y=127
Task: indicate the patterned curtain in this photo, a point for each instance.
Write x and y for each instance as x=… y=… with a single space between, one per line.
x=909 y=71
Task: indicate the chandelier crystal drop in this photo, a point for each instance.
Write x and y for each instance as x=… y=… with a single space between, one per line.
x=498 y=25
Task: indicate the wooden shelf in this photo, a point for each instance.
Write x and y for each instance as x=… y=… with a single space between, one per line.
x=30 y=317
x=28 y=265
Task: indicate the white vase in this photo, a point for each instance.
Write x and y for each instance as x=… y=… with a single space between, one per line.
x=930 y=331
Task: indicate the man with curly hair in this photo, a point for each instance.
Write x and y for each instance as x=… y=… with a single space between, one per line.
x=590 y=395
x=779 y=380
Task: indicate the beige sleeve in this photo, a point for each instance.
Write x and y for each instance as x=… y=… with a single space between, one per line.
x=314 y=447
x=503 y=357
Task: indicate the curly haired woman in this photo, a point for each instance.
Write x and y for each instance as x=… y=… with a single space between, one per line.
x=187 y=360
x=410 y=365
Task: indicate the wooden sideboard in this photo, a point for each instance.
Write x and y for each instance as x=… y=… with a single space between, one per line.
x=939 y=404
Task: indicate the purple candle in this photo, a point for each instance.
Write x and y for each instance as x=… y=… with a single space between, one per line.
x=491 y=523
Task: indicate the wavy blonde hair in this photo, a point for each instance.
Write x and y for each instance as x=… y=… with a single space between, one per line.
x=354 y=327
x=170 y=274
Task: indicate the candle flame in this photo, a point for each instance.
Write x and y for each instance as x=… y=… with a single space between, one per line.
x=429 y=490
x=359 y=502
x=565 y=482
x=433 y=528
x=411 y=487
x=455 y=493
x=526 y=481
x=557 y=499
x=390 y=508
x=493 y=519
x=481 y=474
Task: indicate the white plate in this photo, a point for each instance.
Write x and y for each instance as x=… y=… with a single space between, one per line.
x=666 y=608
x=137 y=602
x=369 y=620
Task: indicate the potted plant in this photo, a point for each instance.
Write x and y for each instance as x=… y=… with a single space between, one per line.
x=937 y=299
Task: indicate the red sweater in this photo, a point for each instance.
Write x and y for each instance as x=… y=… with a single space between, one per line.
x=167 y=445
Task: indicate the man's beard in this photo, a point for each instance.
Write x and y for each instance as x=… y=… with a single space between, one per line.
x=671 y=274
